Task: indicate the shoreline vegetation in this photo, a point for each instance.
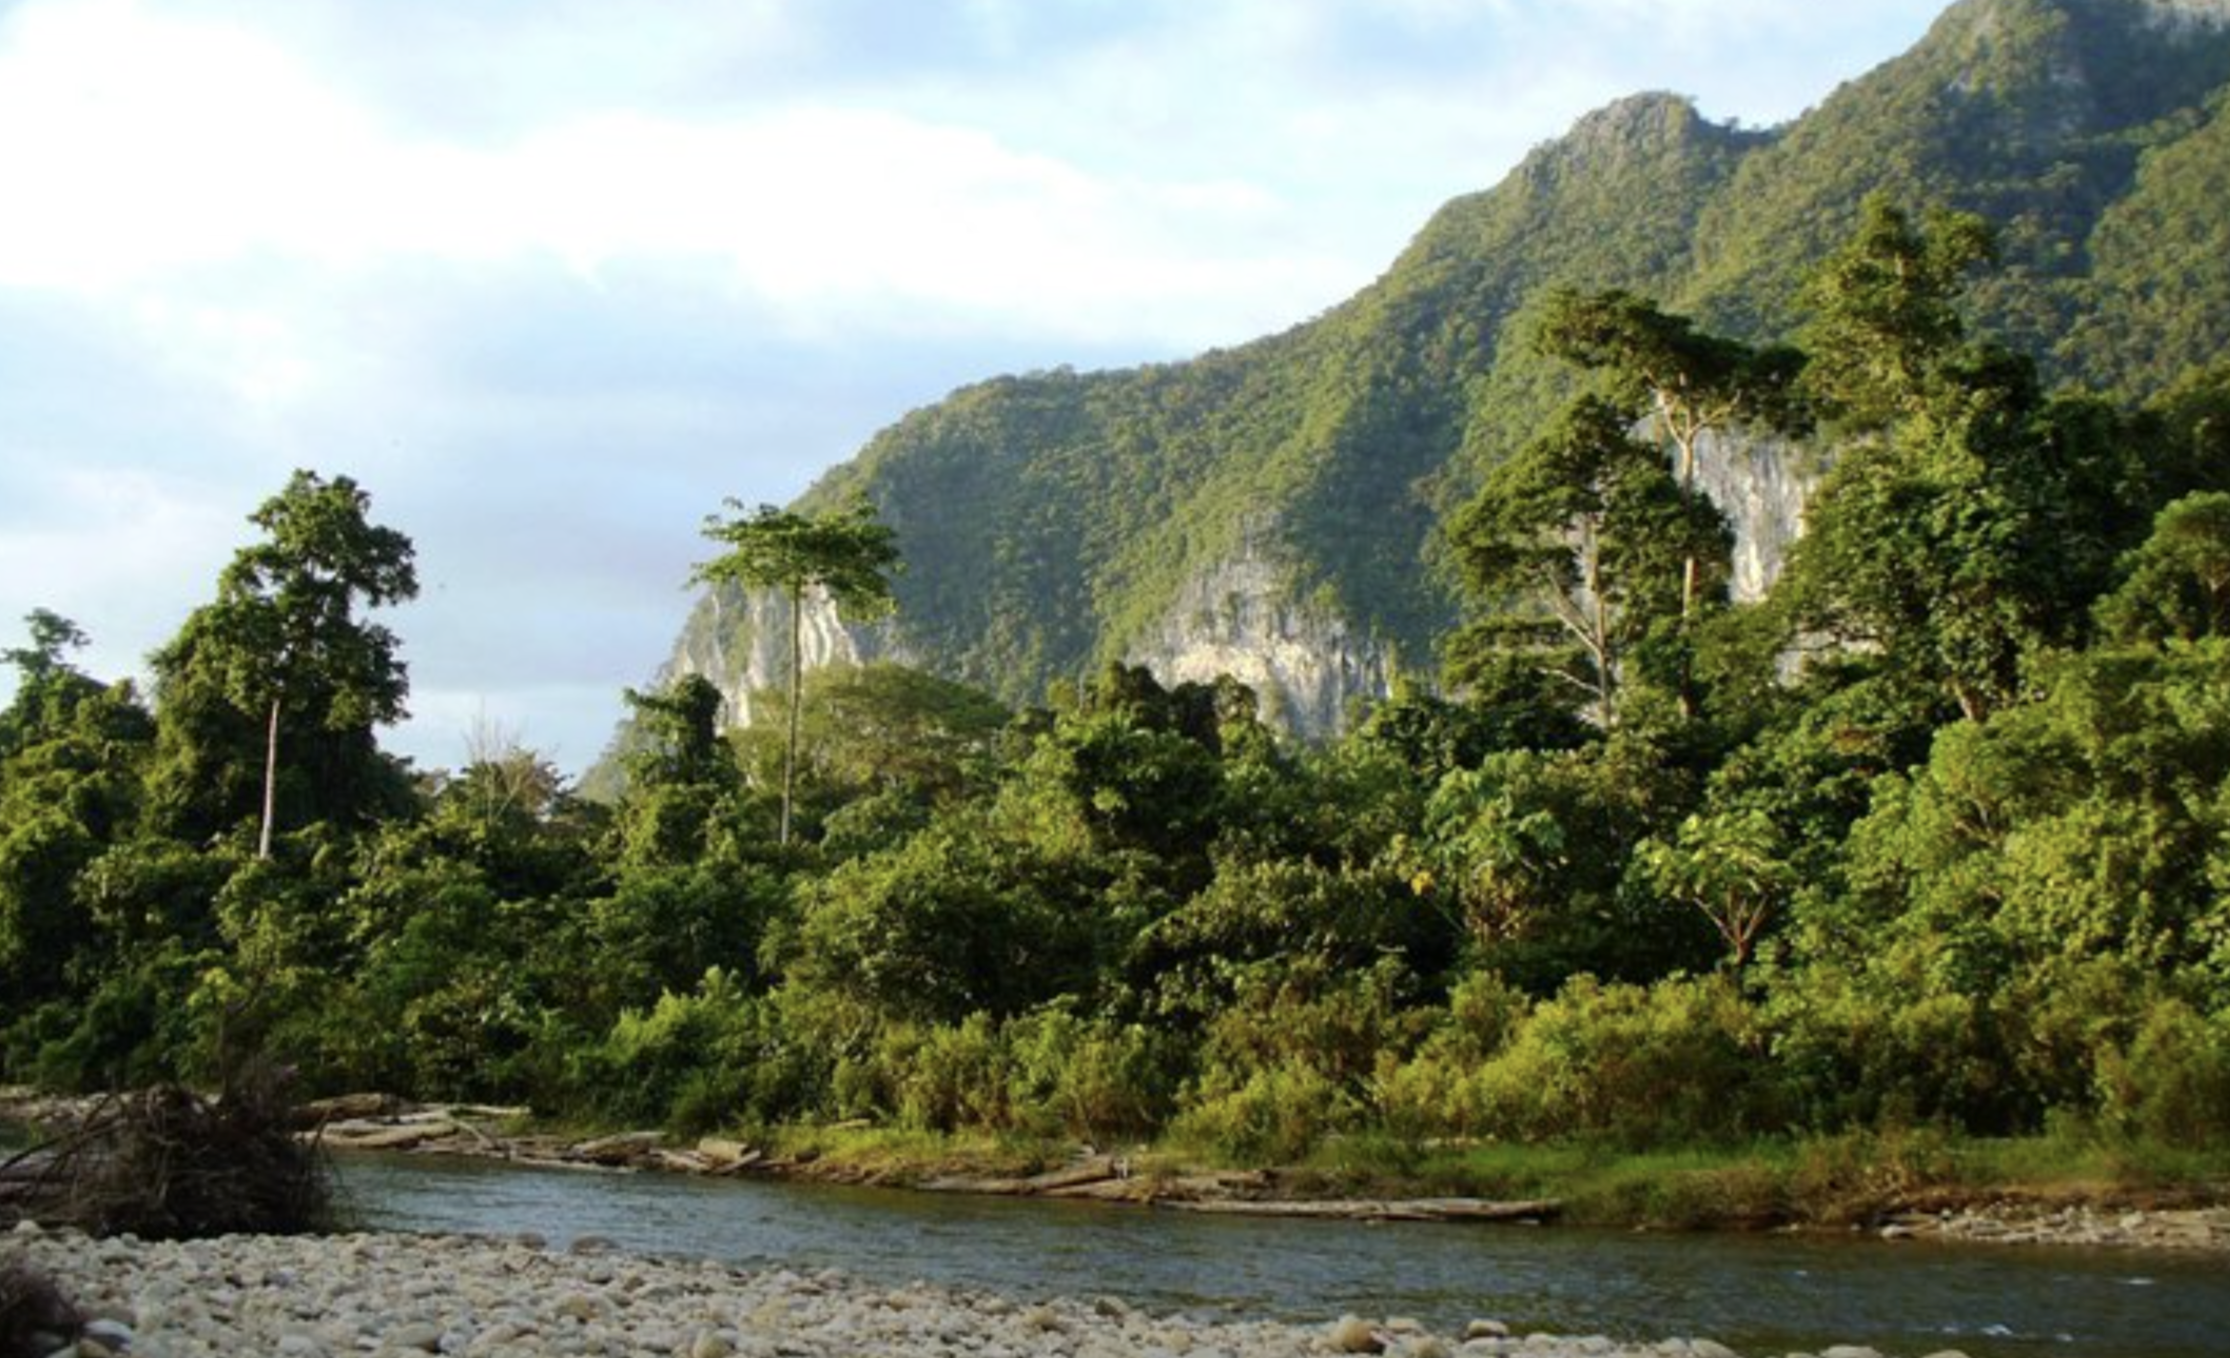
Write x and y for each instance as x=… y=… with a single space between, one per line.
x=1916 y=1186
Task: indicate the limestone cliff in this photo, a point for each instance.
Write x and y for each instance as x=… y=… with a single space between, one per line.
x=740 y=641
x=1760 y=483
x=1305 y=662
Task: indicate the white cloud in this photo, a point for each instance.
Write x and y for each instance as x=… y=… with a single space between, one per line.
x=137 y=146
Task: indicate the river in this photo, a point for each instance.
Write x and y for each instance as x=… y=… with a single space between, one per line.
x=1759 y=1294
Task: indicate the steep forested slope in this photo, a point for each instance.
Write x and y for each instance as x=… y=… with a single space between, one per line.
x=1055 y=521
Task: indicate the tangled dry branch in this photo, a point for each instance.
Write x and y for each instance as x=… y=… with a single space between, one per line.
x=166 y=1163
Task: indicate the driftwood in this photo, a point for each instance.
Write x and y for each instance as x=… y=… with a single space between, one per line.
x=166 y=1163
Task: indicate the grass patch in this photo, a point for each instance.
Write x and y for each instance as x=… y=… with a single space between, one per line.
x=1824 y=1181
x=898 y=1155
x=1832 y=1181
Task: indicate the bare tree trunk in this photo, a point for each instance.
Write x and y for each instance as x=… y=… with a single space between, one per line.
x=1684 y=439
x=270 y=781
x=797 y=697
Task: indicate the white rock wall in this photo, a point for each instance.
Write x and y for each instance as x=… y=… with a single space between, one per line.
x=741 y=642
x=1303 y=660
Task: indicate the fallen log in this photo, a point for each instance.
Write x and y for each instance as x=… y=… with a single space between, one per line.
x=990 y=1188
x=721 y=1150
x=623 y=1149
x=358 y=1136
x=1098 y=1169
x=347 y=1108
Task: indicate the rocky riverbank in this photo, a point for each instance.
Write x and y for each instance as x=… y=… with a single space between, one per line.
x=2017 y=1223
x=383 y=1123
x=323 y=1297
x=371 y=1122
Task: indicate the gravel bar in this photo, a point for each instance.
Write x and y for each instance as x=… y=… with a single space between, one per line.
x=405 y=1295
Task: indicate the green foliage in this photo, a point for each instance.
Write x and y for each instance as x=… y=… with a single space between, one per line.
x=1732 y=866
x=696 y=1061
x=951 y=922
x=883 y=728
x=1972 y=531
x=1263 y=919
x=1092 y=1078
x=2176 y=586
x=1429 y=1094
x=1531 y=850
x=1949 y=804
x=2171 y=1086
x=1677 y=1062
x=1581 y=547
x=1886 y=325
x=281 y=665
x=846 y=557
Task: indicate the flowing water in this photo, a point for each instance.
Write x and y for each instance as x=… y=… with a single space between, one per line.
x=1759 y=1294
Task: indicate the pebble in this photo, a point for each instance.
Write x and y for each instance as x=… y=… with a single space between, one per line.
x=405 y=1296
x=1353 y=1334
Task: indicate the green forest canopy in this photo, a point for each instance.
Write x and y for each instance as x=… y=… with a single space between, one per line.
x=1969 y=866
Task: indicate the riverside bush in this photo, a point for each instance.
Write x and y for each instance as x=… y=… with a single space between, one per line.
x=945 y=1077
x=695 y=1061
x=1854 y=1054
x=1276 y=1115
x=1433 y=1092
x=1092 y=1079
x=1679 y=1061
x=2172 y=1084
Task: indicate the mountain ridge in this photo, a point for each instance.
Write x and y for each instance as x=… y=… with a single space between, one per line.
x=1057 y=521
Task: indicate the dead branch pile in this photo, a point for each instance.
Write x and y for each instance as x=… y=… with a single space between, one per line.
x=165 y=1164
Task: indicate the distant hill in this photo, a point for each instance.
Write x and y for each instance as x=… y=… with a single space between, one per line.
x=1270 y=510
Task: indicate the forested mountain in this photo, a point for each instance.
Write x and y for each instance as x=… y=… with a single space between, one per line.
x=1927 y=835
x=1270 y=510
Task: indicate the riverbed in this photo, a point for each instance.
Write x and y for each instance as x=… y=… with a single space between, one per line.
x=1758 y=1294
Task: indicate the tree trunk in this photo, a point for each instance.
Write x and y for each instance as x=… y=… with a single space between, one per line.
x=270 y=781
x=1685 y=440
x=797 y=697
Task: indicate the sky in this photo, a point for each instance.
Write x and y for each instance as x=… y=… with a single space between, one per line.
x=552 y=280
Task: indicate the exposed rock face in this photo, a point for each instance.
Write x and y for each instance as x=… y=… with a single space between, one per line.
x=1306 y=662
x=740 y=641
x=1760 y=483
x=1303 y=660
x=2183 y=14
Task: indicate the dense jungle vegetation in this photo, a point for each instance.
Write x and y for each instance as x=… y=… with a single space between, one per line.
x=1935 y=835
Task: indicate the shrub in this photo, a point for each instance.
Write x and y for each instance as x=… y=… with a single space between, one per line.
x=950 y=1076
x=2172 y=1084
x=1276 y=1115
x=1874 y=1052
x=1090 y=1078
x=1679 y=1061
x=693 y=1062
x=1429 y=1094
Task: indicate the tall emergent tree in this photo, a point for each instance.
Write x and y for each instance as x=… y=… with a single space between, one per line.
x=1959 y=529
x=283 y=643
x=1692 y=384
x=1574 y=550
x=846 y=556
